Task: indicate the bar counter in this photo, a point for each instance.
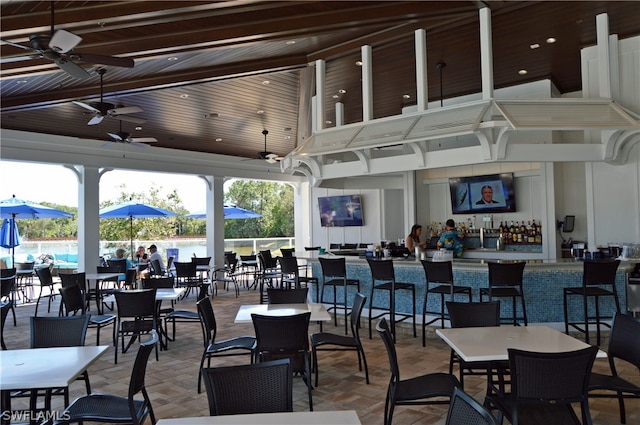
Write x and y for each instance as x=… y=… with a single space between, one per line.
x=543 y=283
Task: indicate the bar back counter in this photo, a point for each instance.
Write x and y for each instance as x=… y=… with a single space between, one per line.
x=544 y=281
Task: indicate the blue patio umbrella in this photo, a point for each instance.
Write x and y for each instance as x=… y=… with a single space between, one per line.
x=131 y=210
x=231 y=212
x=15 y=208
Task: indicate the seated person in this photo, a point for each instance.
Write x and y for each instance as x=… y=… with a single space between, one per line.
x=413 y=240
x=155 y=255
x=120 y=257
x=141 y=257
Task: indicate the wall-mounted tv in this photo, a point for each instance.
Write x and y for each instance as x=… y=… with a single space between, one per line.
x=341 y=211
x=482 y=194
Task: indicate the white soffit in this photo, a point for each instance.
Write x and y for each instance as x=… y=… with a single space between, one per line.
x=566 y=114
x=468 y=118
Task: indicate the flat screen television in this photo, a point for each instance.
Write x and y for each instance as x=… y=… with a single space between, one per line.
x=492 y=193
x=341 y=211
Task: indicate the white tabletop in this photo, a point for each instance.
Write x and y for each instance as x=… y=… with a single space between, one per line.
x=318 y=311
x=162 y=294
x=45 y=367
x=101 y=276
x=491 y=343
x=342 y=417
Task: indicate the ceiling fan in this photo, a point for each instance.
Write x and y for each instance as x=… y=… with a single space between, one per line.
x=57 y=47
x=124 y=137
x=270 y=157
x=105 y=109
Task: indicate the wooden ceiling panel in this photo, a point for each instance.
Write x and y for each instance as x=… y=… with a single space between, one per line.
x=226 y=50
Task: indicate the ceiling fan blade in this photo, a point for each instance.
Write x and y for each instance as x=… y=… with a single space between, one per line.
x=20 y=46
x=63 y=41
x=144 y=140
x=72 y=69
x=107 y=144
x=271 y=160
x=128 y=118
x=125 y=110
x=103 y=59
x=139 y=145
x=20 y=58
x=96 y=120
x=86 y=106
x=116 y=137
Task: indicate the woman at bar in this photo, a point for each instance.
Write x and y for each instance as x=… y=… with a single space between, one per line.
x=413 y=239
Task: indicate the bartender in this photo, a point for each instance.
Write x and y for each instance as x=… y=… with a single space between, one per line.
x=413 y=239
x=452 y=239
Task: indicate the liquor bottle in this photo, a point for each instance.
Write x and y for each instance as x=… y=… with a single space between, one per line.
x=501 y=229
x=512 y=229
x=534 y=228
x=538 y=237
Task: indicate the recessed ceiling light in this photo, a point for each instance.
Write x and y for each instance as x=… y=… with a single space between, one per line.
x=184 y=96
x=21 y=82
x=218 y=139
x=523 y=72
x=259 y=112
x=290 y=42
x=287 y=137
x=342 y=91
x=335 y=96
x=138 y=128
x=266 y=82
x=172 y=58
x=328 y=122
x=551 y=40
x=534 y=46
x=358 y=63
x=406 y=96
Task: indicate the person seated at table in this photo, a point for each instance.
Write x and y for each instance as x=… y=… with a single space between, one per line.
x=120 y=256
x=141 y=257
x=155 y=255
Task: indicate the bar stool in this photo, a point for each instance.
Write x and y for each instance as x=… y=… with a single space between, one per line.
x=383 y=273
x=596 y=277
x=440 y=274
x=505 y=281
x=334 y=274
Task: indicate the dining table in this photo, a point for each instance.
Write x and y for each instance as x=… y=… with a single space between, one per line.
x=318 y=311
x=43 y=368
x=98 y=278
x=337 y=417
x=482 y=344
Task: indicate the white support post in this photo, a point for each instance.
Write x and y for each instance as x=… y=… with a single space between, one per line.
x=604 y=70
x=367 y=84
x=320 y=79
x=421 y=69
x=339 y=114
x=486 y=53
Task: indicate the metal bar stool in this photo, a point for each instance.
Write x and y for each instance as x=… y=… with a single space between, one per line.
x=598 y=280
x=505 y=281
x=383 y=279
x=440 y=275
x=334 y=274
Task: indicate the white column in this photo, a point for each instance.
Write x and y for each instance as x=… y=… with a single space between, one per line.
x=320 y=78
x=604 y=70
x=486 y=53
x=367 y=84
x=88 y=216
x=215 y=218
x=421 y=69
x=339 y=114
x=302 y=211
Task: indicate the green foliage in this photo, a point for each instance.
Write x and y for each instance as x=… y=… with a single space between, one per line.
x=273 y=200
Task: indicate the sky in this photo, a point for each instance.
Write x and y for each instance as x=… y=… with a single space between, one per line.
x=53 y=183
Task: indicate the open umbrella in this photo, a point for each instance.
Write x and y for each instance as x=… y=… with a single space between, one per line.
x=14 y=208
x=131 y=210
x=231 y=212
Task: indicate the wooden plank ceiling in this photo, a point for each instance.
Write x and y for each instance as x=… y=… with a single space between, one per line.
x=210 y=76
